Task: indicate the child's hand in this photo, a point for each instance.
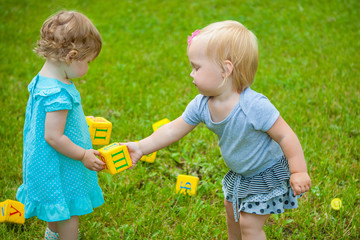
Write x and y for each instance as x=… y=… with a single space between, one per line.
x=134 y=151
x=91 y=162
x=300 y=182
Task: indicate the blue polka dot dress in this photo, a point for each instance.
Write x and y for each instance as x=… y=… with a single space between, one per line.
x=55 y=187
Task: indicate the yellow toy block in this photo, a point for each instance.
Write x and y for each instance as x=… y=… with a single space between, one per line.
x=116 y=157
x=12 y=211
x=100 y=130
x=158 y=124
x=149 y=158
x=186 y=184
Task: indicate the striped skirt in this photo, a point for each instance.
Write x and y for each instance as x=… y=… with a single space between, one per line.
x=267 y=192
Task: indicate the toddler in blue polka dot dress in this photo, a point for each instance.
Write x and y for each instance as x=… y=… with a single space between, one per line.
x=59 y=165
x=267 y=166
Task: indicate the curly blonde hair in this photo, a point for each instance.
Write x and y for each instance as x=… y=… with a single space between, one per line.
x=68 y=36
x=230 y=40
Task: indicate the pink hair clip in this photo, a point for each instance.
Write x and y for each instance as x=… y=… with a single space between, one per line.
x=190 y=38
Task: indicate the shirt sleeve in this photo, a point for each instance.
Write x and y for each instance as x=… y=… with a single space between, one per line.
x=263 y=114
x=58 y=101
x=193 y=112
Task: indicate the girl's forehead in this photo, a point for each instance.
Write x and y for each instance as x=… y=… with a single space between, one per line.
x=199 y=40
x=198 y=46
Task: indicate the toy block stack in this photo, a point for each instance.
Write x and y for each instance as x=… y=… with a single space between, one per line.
x=12 y=211
x=186 y=184
x=116 y=157
x=100 y=130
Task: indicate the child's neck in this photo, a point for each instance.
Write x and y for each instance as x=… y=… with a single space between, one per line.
x=221 y=106
x=55 y=69
x=226 y=94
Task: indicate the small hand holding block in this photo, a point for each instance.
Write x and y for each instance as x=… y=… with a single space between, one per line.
x=100 y=130
x=158 y=124
x=12 y=211
x=149 y=158
x=186 y=184
x=116 y=157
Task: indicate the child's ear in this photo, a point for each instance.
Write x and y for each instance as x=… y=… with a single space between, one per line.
x=229 y=67
x=70 y=56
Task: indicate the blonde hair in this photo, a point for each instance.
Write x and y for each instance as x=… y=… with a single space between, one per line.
x=232 y=41
x=68 y=36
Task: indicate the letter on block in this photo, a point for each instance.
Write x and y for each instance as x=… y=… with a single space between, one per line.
x=116 y=157
x=187 y=184
x=12 y=211
x=158 y=124
x=100 y=130
x=149 y=158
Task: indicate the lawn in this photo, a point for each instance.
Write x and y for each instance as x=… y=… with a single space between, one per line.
x=309 y=69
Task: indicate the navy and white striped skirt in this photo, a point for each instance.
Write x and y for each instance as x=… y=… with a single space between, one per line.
x=268 y=192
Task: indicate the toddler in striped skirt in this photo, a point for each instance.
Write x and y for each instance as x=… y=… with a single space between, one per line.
x=267 y=172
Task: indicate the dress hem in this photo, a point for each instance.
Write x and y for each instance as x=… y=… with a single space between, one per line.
x=60 y=211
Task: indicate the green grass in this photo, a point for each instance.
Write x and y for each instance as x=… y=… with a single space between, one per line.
x=309 y=68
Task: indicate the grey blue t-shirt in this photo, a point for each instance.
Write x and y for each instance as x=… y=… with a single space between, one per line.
x=245 y=146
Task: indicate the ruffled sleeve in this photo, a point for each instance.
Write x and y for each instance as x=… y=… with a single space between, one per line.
x=56 y=99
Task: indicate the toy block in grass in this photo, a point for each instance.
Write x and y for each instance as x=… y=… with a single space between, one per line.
x=158 y=124
x=12 y=211
x=149 y=158
x=186 y=184
x=100 y=130
x=116 y=157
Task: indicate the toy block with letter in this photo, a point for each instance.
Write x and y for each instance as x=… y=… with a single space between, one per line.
x=100 y=130
x=149 y=158
x=158 y=124
x=116 y=157
x=12 y=211
x=186 y=184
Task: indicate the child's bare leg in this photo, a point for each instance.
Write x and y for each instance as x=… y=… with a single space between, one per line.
x=233 y=227
x=53 y=226
x=68 y=229
x=252 y=225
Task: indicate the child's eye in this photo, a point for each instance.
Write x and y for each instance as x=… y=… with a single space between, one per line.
x=195 y=67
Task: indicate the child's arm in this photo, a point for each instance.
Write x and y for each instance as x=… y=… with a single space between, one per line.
x=281 y=132
x=54 y=136
x=163 y=137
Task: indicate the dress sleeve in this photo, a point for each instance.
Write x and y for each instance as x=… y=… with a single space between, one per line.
x=58 y=101
x=263 y=114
